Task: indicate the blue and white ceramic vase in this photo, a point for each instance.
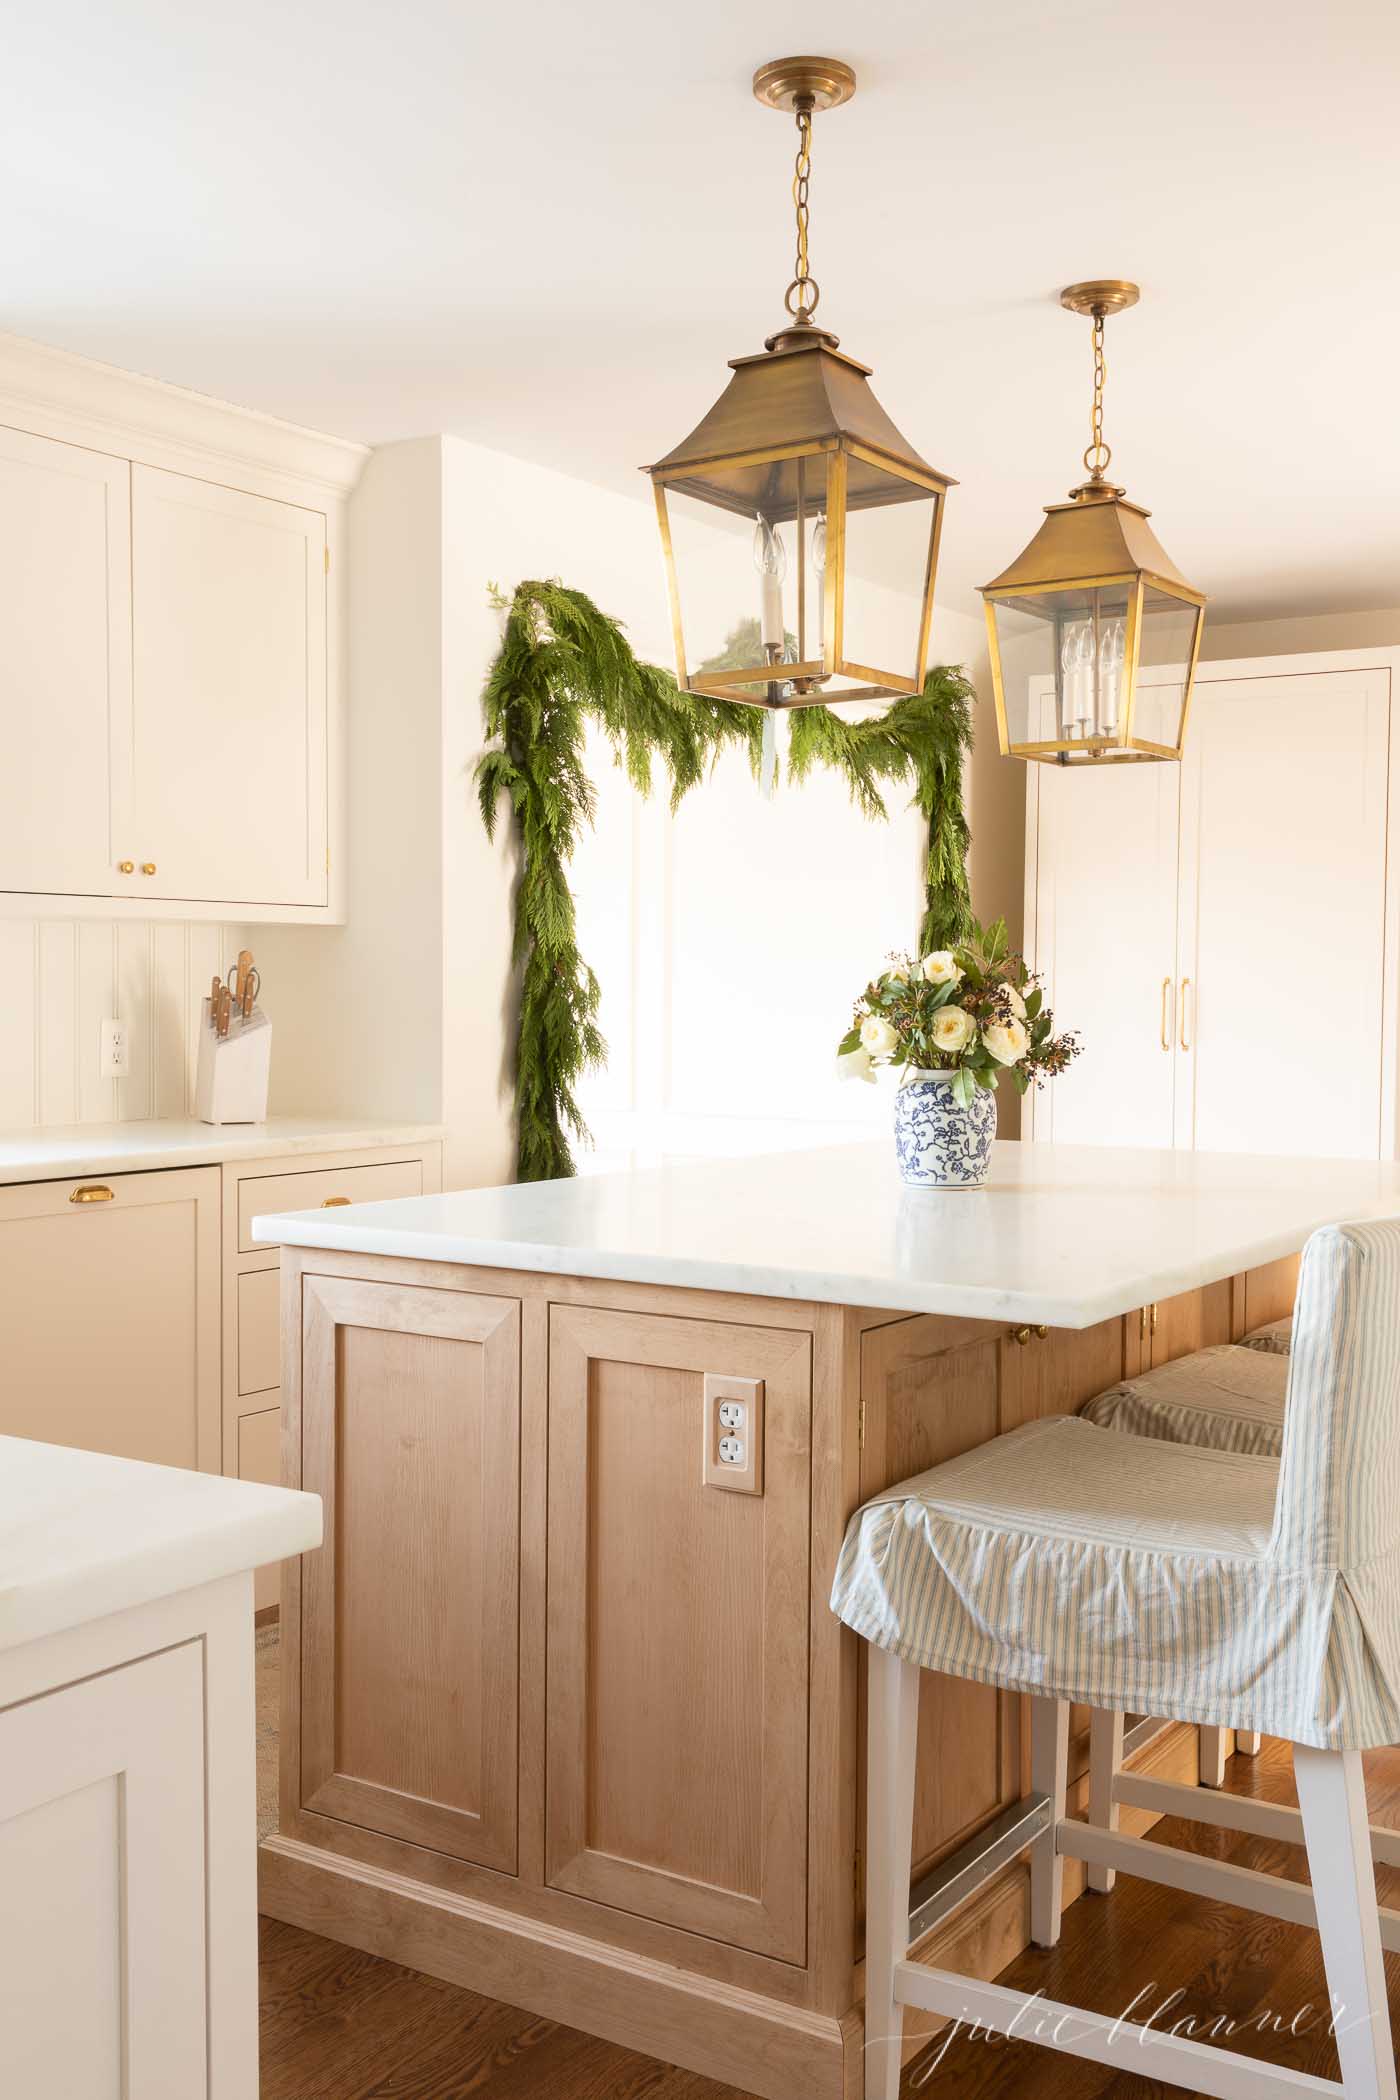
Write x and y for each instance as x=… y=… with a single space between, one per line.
x=940 y=1144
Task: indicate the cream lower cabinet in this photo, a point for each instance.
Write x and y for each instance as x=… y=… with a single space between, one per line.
x=1176 y=910
x=109 y=1314
x=102 y=1850
x=252 y=1368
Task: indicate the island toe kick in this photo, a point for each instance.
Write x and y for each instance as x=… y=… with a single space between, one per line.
x=566 y=1718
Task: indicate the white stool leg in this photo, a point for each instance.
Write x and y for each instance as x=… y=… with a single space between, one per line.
x=1105 y=1763
x=892 y=1720
x=1212 y=1756
x=1332 y=1796
x=1049 y=1775
x=1247 y=1741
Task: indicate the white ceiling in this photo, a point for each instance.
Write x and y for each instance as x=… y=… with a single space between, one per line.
x=546 y=226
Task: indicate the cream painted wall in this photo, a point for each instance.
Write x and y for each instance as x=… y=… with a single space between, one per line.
x=408 y=1009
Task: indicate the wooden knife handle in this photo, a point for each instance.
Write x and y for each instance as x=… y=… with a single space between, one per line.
x=241 y=968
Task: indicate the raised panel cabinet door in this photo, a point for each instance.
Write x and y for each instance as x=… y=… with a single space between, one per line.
x=229 y=677
x=65 y=667
x=677 y=1630
x=102 y=1925
x=1284 y=872
x=109 y=1314
x=1104 y=937
x=410 y=1433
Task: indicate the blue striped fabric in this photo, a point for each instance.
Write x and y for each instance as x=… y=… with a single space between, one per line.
x=1226 y=1397
x=1204 y=1585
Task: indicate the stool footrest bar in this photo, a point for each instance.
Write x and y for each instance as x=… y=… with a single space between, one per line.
x=1266 y=1819
x=1217 y=1879
x=938 y=1893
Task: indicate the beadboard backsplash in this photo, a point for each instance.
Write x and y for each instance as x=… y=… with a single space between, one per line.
x=61 y=978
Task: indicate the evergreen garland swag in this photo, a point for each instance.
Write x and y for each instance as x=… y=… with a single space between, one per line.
x=562 y=662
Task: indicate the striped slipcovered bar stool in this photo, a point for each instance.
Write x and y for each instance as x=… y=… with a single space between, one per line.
x=1210 y=1586
x=1275 y=1339
x=1229 y=1397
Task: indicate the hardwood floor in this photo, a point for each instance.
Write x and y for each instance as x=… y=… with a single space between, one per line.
x=337 y=2025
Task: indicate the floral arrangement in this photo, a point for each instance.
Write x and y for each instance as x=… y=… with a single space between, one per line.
x=974 y=1010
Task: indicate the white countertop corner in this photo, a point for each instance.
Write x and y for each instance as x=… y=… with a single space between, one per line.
x=53 y=1154
x=83 y=1535
x=1065 y=1235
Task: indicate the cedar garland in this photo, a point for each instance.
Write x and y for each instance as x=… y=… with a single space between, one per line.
x=563 y=662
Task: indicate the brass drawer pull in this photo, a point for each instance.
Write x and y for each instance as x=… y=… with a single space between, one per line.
x=126 y=867
x=1185 y=988
x=1166 y=1035
x=148 y=867
x=334 y=1202
x=92 y=1192
x=1022 y=1335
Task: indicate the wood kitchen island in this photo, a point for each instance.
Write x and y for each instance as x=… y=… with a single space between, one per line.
x=565 y=1715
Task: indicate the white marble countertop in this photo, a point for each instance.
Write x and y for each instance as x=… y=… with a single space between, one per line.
x=137 y=1148
x=1062 y=1234
x=82 y=1535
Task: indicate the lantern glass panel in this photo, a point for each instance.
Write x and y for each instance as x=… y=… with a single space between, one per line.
x=743 y=578
x=1064 y=666
x=890 y=527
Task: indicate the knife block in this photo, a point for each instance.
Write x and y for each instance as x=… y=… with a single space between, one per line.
x=232 y=1079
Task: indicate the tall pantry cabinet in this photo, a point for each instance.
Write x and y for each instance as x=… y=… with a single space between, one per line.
x=1222 y=933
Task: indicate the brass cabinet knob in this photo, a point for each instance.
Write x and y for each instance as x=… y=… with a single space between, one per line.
x=1040 y=1333
x=334 y=1202
x=1021 y=1335
x=92 y=1192
x=126 y=867
x=148 y=867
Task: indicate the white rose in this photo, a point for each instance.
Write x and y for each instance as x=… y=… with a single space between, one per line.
x=877 y=1036
x=1007 y=1041
x=953 y=1029
x=855 y=1064
x=939 y=968
x=1015 y=1001
x=897 y=973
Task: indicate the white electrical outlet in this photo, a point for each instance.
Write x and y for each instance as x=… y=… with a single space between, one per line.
x=732 y=1455
x=112 y=1062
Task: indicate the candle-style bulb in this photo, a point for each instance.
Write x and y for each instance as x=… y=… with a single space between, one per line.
x=770 y=560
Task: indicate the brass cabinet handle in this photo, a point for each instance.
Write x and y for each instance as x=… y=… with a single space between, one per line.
x=1166 y=1026
x=1041 y=1333
x=1020 y=1335
x=334 y=1202
x=148 y=867
x=92 y=1192
x=1152 y=1323
x=126 y=867
x=1185 y=988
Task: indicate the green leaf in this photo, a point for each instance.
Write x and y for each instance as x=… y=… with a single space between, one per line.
x=849 y=1041
x=1034 y=1001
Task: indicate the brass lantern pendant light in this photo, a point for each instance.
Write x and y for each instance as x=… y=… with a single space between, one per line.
x=799 y=528
x=1094 y=634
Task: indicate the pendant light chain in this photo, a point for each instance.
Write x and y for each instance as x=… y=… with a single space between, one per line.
x=1097 y=454
x=802 y=294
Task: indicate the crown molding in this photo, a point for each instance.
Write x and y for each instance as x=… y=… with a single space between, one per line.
x=57 y=393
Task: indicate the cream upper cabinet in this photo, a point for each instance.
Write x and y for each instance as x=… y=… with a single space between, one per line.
x=229 y=792
x=1222 y=932
x=1284 y=797
x=65 y=662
